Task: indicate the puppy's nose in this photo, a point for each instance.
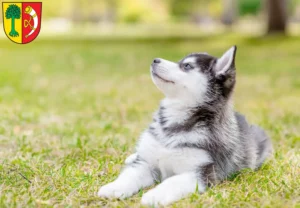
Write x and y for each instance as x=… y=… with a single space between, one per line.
x=156 y=61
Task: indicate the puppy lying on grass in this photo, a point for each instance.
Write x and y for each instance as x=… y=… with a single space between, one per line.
x=196 y=138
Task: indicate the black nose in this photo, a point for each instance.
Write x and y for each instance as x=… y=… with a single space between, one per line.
x=156 y=61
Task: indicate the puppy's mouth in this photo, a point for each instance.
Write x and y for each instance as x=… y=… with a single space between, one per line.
x=159 y=77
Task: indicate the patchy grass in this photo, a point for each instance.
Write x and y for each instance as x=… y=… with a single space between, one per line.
x=72 y=110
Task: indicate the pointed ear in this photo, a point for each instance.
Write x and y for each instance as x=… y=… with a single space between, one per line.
x=226 y=63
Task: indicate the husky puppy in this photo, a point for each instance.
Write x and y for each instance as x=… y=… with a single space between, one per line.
x=196 y=139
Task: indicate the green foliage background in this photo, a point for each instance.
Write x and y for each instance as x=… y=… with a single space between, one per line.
x=147 y=11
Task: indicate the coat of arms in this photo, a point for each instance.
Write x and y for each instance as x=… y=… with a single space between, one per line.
x=22 y=20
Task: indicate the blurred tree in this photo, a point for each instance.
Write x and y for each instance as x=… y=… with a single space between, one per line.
x=247 y=7
x=197 y=11
x=93 y=11
x=57 y=8
x=294 y=9
x=229 y=12
x=180 y=9
x=185 y=10
x=215 y=8
x=277 y=16
x=76 y=11
x=110 y=14
x=145 y=11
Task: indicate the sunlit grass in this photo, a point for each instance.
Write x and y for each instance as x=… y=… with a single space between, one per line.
x=71 y=111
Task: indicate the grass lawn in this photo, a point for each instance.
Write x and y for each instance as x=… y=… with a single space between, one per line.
x=72 y=110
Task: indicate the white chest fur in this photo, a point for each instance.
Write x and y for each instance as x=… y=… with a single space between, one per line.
x=170 y=161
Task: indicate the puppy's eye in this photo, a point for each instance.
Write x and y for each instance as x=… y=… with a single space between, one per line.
x=187 y=66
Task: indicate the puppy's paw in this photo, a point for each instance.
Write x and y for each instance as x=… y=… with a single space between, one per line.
x=156 y=197
x=116 y=190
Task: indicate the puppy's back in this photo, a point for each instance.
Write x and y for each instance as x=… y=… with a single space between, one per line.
x=263 y=144
x=256 y=136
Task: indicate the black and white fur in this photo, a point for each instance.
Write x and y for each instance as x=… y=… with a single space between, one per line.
x=196 y=138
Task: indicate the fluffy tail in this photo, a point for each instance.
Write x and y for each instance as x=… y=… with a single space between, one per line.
x=264 y=145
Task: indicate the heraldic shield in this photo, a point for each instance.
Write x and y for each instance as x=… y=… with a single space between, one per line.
x=22 y=20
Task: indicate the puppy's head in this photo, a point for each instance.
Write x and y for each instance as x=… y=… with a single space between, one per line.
x=197 y=77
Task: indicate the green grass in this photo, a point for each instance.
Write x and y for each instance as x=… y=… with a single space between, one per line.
x=72 y=111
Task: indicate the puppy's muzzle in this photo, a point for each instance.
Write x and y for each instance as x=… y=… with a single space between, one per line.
x=156 y=61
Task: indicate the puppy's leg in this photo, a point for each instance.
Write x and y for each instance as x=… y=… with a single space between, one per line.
x=135 y=176
x=173 y=189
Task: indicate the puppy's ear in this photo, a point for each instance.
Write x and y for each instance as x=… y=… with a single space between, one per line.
x=226 y=64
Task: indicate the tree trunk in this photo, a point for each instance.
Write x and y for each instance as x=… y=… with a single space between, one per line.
x=13 y=32
x=76 y=14
x=229 y=12
x=13 y=24
x=110 y=14
x=277 y=16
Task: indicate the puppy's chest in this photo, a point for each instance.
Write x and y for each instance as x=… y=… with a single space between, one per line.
x=170 y=161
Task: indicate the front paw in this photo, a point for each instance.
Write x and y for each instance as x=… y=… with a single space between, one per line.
x=116 y=190
x=155 y=198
